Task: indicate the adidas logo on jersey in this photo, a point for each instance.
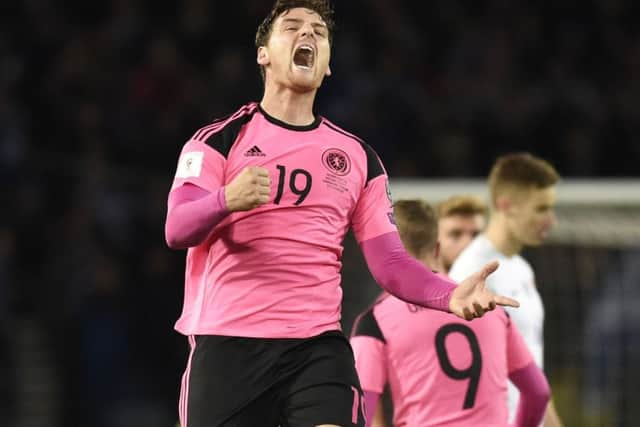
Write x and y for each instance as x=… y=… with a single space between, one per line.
x=254 y=152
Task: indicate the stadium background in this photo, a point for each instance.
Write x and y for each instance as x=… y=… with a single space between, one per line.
x=96 y=99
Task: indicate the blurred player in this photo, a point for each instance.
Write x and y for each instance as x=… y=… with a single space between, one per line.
x=460 y=220
x=263 y=199
x=442 y=371
x=523 y=197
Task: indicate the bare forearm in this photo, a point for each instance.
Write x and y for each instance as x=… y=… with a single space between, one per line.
x=371 y=404
x=551 y=417
x=378 y=417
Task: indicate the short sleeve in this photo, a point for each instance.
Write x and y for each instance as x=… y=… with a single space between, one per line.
x=371 y=362
x=369 y=348
x=200 y=165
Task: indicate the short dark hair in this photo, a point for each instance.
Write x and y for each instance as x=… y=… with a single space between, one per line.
x=321 y=7
x=417 y=225
x=520 y=171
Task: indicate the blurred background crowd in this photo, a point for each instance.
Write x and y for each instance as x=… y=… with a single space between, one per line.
x=97 y=98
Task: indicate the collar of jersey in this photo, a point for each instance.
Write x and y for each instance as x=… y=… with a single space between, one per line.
x=316 y=122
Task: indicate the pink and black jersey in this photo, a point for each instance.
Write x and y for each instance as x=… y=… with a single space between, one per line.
x=441 y=371
x=274 y=271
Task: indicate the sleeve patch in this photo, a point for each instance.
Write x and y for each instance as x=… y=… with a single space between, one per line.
x=190 y=164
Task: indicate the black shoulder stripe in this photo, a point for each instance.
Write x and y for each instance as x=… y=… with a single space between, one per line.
x=367 y=325
x=202 y=132
x=374 y=166
x=205 y=132
x=223 y=139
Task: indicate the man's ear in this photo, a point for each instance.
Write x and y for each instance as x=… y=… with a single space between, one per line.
x=263 y=56
x=503 y=204
x=328 y=72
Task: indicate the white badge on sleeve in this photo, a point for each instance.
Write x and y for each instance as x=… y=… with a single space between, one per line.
x=190 y=164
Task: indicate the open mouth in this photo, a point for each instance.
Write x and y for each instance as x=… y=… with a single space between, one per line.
x=303 y=57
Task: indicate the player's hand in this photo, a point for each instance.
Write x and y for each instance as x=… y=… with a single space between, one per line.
x=250 y=189
x=472 y=298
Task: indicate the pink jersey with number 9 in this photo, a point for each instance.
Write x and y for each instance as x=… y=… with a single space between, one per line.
x=441 y=370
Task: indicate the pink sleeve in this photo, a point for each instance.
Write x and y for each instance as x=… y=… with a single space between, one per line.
x=199 y=165
x=534 y=395
x=403 y=276
x=192 y=213
x=371 y=400
x=518 y=354
x=371 y=362
x=373 y=214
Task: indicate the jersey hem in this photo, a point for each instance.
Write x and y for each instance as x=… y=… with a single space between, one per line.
x=235 y=332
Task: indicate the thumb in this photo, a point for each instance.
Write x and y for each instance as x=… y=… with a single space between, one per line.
x=488 y=269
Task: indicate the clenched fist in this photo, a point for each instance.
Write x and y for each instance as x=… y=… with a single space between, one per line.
x=250 y=189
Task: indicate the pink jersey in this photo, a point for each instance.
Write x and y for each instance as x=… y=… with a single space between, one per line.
x=274 y=271
x=442 y=371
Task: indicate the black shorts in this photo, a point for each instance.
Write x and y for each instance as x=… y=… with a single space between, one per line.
x=249 y=382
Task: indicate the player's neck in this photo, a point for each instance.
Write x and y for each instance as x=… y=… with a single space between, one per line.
x=498 y=234
x=432 y=262
x=286 y=105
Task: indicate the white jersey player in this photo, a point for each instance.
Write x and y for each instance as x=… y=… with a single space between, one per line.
x=522 y=190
